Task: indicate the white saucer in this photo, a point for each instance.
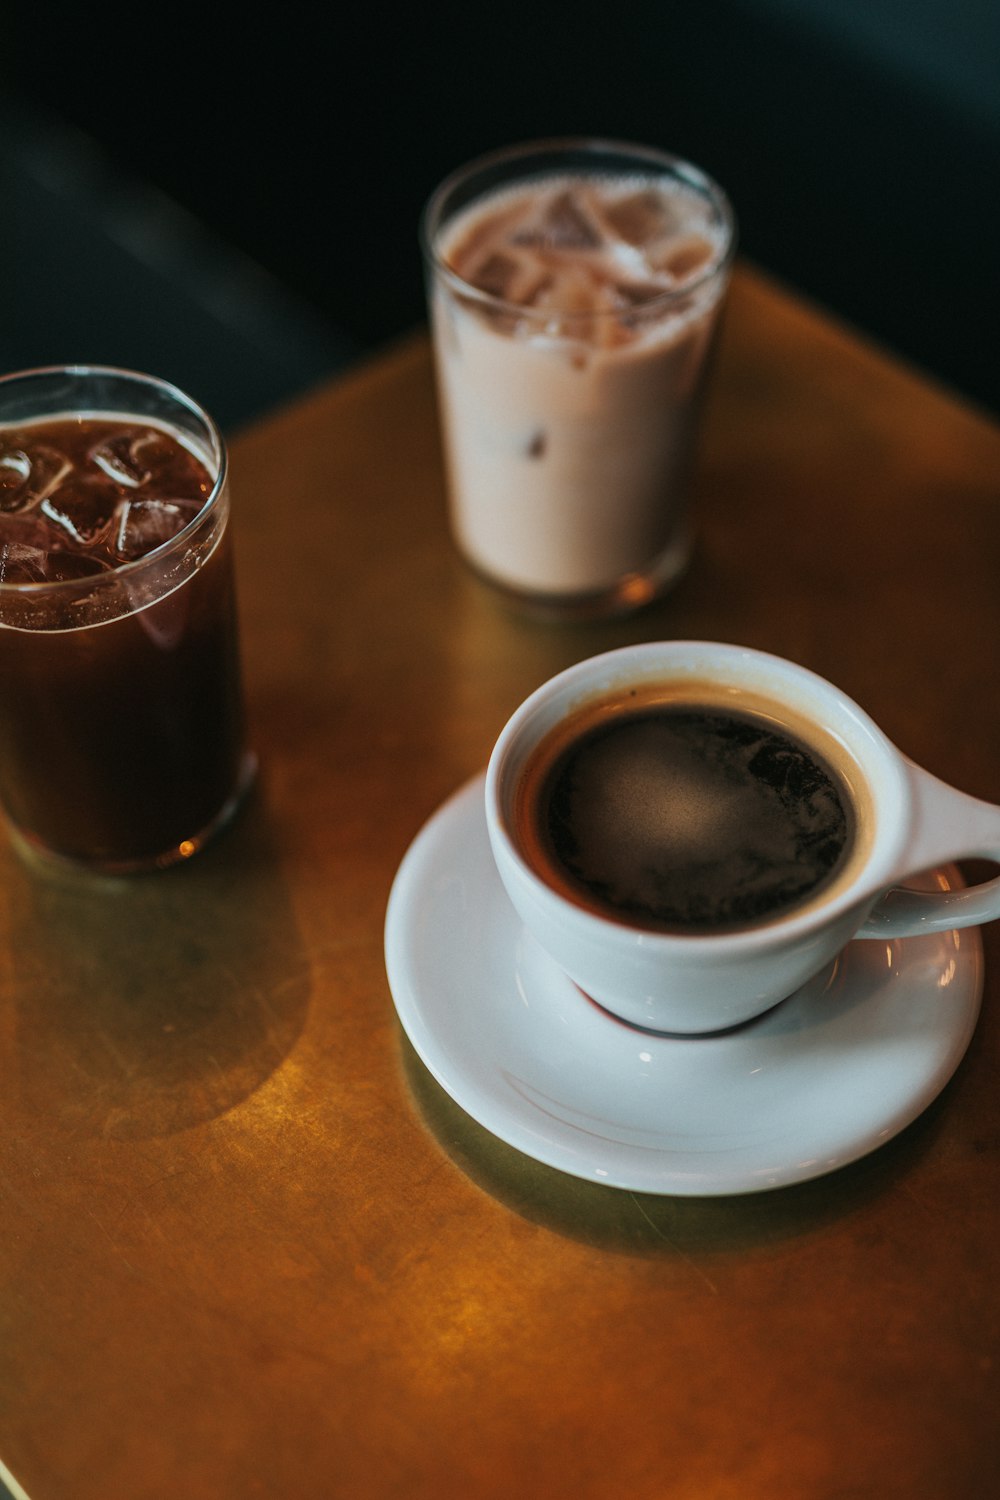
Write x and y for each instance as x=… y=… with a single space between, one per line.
x=836 y=1070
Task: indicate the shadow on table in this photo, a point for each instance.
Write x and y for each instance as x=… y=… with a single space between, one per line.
x=648 y=1223
x=149 y=1004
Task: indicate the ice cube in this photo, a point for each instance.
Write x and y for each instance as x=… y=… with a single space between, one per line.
x=28 y=554
x=499 y=274
x=142 y=525
x=513 y=277
x=28 y=474
x=641 y=218
x=15 y=468
x=130 y=457
x=630 y=294
x=24 y=548
x=22 y=563
x=81 y=510
x=562 y=223
x=685 y=258
x=570 y=290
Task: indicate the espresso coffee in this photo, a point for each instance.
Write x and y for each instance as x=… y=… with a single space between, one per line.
x=685 y=816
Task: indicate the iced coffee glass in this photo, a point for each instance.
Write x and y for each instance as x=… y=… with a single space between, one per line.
x=575 y=287
x=122 y=743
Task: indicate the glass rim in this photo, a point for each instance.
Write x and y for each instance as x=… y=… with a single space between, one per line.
x=90 y=581
x=432 y=218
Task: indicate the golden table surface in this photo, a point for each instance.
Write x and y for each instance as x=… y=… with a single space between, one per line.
x=250 y=1248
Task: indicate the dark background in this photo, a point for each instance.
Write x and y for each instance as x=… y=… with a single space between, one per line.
x=229 y=198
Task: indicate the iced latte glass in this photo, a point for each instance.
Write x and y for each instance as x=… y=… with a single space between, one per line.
x=575 y=288
x=122 y=743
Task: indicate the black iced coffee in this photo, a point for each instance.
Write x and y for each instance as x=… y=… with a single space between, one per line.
x=122 y=737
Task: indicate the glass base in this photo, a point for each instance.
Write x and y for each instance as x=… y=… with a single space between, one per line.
x=632 y=592
x=35 y=852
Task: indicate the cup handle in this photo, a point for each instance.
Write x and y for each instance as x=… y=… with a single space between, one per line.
x=948 y=825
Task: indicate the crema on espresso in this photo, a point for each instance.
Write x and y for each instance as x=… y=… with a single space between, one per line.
x=685 y=816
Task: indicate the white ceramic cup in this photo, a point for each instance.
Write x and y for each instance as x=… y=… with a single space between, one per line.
x=909 y=822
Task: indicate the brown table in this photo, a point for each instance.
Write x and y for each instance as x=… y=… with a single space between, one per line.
x=250 y=1248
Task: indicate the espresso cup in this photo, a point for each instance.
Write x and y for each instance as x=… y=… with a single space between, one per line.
x=692 y=830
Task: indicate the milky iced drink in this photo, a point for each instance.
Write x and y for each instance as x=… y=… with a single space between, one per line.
x=573 y=316
x=121 y=737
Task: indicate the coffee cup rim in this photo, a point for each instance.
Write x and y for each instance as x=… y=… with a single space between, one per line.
x=886 y=786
